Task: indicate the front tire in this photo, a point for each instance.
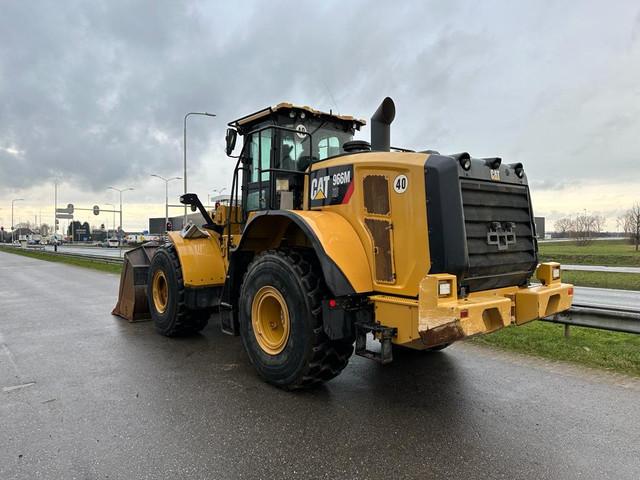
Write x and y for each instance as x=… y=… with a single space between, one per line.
x=280 y=317
x=165 y=294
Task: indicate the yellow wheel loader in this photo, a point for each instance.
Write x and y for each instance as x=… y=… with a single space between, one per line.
x=326 y=240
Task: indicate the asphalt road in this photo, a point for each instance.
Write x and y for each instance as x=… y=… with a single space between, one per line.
x=88 y=395
x=607 y=298
x=601 y=268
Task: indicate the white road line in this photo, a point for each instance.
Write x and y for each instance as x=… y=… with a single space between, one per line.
x=17 y=387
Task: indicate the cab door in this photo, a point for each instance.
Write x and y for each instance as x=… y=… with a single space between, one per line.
x=257 y=174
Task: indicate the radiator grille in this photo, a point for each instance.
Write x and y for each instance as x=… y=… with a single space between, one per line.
x=487 y=206
x=380 y=231
x=376 y=194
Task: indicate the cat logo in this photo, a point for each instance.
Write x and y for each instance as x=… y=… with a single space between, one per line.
x=331 y=186
x=319 y=187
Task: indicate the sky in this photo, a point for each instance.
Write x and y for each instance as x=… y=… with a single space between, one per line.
x=93 y=93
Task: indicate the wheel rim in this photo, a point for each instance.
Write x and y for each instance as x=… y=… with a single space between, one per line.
x=270 y=320
x=160 y=290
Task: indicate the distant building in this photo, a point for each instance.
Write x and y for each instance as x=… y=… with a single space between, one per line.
x=540 y=231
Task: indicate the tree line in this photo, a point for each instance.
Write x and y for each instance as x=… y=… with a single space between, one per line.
x=629 y=223
x=584 y=228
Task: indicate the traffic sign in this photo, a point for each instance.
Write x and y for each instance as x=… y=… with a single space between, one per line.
x=64 y=216
x=68 y=210
x=96 y=210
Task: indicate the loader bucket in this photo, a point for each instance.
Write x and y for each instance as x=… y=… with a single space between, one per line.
x=132 y=298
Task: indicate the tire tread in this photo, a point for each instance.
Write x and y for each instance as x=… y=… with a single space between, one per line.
x=328 y=357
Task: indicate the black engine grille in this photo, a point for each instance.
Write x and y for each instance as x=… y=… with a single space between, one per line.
x=489 y=206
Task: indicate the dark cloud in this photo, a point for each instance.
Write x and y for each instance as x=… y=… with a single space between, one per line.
x=96 y=91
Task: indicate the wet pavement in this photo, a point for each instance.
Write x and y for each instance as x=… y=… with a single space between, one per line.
x=87 y=395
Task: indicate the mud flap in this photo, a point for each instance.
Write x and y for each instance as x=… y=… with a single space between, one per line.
x=132 y=296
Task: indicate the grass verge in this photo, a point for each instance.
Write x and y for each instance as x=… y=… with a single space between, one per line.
x=598 y=252
x=79 y=262
x=622 y=281
x=619 y=352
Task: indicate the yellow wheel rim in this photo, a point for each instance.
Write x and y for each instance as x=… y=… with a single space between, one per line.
x=270 y=320
x=160 y=290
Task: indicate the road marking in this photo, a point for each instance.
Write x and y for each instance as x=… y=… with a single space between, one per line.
x=17 y=387
x=9 y=355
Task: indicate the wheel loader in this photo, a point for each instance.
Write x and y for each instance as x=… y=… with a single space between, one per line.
x=329 y=245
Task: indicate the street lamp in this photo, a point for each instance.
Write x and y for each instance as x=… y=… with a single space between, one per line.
x=12 y=202
x=113 y=208
x=120 y=190
x=166 y=196
x=205 y=114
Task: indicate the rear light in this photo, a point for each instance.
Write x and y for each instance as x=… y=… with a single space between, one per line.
x=333 y=303
x=570 y=291
x=444 y=288
x=464 y=313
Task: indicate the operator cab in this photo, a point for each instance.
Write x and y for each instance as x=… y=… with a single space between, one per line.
x=279 y=144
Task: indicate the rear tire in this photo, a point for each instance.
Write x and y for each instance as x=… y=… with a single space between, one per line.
x=280 y=315
x=165 y=294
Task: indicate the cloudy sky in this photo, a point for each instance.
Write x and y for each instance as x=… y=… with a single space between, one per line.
x=93 y=92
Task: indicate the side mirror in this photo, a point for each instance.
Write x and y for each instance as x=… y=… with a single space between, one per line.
x=230 y=138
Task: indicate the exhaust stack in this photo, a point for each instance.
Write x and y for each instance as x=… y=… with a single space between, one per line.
x=381 y=126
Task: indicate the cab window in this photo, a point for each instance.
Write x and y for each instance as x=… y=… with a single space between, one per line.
x=261 y=154
x=328 y=147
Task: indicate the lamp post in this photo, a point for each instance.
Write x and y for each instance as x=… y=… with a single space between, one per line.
x=166 y=196
x=120 y=190
x=205 y=114
x=113 y=207
x=12 y=202
x=55 y=209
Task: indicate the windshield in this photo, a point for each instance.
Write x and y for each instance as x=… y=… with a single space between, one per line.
x=328 y=140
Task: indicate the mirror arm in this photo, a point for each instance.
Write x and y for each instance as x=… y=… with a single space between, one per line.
x=193 y=200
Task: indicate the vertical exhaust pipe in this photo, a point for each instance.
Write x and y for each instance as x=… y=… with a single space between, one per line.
x=381 y=126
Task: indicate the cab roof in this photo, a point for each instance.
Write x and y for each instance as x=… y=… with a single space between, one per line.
x=284 y=107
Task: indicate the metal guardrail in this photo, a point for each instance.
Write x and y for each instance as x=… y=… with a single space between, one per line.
x=99 y=258
x=601 y=317
x=83 y=256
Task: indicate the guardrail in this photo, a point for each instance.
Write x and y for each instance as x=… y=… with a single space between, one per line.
x=99 y=258
x=83 y=256
x=601 y=317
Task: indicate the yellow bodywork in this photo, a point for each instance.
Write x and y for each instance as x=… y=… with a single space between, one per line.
x=201 y=260
x=407 y=216
x=432 y=319
x=342 y=244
